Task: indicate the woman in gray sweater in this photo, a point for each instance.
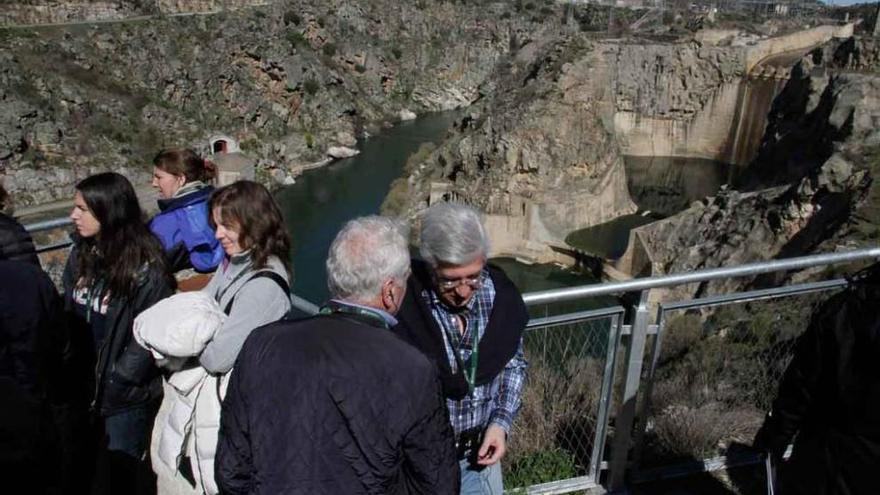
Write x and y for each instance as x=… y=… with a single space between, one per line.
x=252 y=282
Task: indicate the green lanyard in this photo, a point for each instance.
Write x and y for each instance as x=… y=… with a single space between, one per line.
x=470 y=375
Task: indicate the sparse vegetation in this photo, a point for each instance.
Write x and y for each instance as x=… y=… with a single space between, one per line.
x=291 y=17
x=397 y=198
x=553 y=436
x=554 y=464
x=717 y=375
x=329 y=49
x=311 y=86
x=295 y=38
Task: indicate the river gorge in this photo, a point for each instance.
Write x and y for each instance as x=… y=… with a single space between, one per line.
x=600 y=143
x=625 y=143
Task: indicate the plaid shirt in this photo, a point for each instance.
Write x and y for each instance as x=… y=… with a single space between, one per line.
x=497 y=401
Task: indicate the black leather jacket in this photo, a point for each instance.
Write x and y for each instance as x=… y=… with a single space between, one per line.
x=125 y=373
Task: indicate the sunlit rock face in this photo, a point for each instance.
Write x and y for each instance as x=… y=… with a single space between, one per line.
x=287 y=82
x=811 y=188
x=538 y=153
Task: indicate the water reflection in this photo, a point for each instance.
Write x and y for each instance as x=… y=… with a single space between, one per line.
x=544 y=276
x=667 y=185
x=322 y=200
x=660 y=186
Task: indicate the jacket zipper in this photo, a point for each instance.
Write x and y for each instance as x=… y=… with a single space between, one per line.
x=99 y=373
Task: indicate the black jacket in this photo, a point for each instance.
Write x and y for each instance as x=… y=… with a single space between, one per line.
x=125 y=373
x=15 y=242
x=33 y=341
x=497 y=346
x=333 y=404
x=830 y=397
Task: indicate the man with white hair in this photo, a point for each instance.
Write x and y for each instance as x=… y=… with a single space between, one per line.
x=468 y=318
x=337 y=403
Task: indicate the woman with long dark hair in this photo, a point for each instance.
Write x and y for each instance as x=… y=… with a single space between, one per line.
x=183 y=180
x=116 y=270
x=252 y=284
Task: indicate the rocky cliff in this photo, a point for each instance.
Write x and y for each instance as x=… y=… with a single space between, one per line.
x=545 y=143
x=288 y=80
x=811 y=187
x=539 y=146
x=23 y=12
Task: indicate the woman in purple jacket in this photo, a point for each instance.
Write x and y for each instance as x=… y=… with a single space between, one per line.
x=183 y=179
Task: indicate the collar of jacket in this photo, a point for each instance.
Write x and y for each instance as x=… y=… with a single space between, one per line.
x=498 y=345
x=196 y=196
x=362 y=314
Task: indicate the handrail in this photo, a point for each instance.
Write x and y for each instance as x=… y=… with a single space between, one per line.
x=636 y=323
x=639 y=284
x=304 y=305
x=55 y=223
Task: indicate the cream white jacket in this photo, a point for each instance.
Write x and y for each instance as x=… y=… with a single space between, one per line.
x=174 y=330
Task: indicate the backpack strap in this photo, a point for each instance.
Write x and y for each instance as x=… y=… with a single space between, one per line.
x=278 y=279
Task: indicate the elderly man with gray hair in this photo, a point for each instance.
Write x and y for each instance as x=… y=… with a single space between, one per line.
x=337 y=403
x=468 y=318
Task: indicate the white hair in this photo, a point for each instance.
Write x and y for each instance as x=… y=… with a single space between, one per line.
x=367 y=252
x=452 y=234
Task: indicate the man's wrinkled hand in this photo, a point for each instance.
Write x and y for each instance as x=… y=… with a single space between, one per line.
x=494 y=446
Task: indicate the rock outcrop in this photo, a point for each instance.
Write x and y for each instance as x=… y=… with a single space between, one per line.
x=820 y=156
x=539 y=147
x=17 y=13
x=287 y=81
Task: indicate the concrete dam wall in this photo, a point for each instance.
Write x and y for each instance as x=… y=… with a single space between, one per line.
x=730 y=123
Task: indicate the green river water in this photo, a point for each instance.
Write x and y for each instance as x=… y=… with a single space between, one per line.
x=323 y=199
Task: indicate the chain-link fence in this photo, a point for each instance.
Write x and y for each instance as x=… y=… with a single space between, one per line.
x=560 y=431
x=691 y=386
x=715 y=366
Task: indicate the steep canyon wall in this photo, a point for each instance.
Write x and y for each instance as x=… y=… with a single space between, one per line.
x=698 y=101
x=289 y=81
x=18 y=13
x=812 y=186
x=538 y=153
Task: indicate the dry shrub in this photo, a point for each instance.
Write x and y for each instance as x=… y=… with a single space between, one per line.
x=717 y=375
x=680 y=335
x=703 y=431
x=559 y=408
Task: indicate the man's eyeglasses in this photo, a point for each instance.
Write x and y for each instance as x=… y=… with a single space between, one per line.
x=446 y=285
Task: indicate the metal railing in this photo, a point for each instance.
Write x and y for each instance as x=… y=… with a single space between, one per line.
x=51 y=224
x=299 y=304
x=47 y=225
x=630 y=415
x=587 y=371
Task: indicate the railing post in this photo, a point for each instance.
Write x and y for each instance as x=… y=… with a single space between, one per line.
x=623 y=425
